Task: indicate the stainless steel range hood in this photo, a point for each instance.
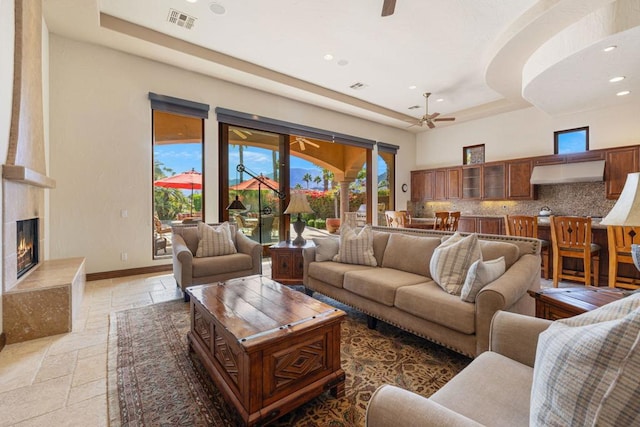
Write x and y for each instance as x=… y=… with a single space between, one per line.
x=568 y=172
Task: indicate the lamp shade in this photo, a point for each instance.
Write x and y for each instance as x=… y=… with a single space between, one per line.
x=298 y=204
x=626 y=211
x=236 y=205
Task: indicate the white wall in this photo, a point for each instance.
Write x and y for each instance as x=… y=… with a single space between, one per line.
x=6 y=95
x=528 y=132
x=100 y=146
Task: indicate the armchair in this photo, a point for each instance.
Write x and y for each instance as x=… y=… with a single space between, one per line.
x=189 y=270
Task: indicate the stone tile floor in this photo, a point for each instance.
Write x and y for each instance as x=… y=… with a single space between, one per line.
x=61 y=380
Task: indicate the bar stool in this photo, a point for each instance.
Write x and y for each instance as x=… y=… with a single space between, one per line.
x=396 y=219
x=571 y=238
x=454 y=218
x=527 y=226
x=620 y=240
x=441 y=220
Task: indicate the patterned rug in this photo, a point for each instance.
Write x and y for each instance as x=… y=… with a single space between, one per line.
x=154 y=381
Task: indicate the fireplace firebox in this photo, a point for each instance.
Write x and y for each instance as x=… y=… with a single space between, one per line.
x=27 y=245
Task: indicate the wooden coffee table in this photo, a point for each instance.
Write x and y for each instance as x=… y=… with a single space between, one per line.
x=268 y=348
x=560 y=303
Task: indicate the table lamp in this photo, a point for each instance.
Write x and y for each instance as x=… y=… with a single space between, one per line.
x=626 y=211
x=298 y=205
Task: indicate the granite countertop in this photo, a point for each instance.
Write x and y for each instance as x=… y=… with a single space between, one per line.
x=595 y=222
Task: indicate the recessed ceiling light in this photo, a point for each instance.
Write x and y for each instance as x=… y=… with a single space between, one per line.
x=412 y=87
x=623 y=93
x=328 y=57
x=343 y=62
x=217 y=8
x=192 y=1
x=610 y=48
x=439 y=99
x=616 y=79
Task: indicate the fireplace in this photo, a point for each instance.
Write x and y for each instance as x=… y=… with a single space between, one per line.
x=27 y=245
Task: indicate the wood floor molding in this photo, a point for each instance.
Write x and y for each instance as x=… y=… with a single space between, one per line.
x=128 y=272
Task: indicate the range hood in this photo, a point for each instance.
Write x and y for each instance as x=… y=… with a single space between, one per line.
x=568 y=172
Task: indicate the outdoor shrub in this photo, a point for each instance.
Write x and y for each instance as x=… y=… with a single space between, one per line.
x=311 y=222
x=320 y=223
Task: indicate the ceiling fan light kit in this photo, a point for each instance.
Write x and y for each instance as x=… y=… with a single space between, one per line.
x=429 y=119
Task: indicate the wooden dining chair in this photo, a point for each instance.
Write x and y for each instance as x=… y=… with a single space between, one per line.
x=396 y=219
x=527 y=226
x=620 y=241
x=452 y=222
x=441 y=220
x=571 y=238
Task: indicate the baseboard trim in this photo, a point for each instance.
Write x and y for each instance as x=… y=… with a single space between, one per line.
x=3 y=340
x=129 y=272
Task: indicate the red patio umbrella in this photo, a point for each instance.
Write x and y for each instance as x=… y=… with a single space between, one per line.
x=185 y=180
x=254 y=184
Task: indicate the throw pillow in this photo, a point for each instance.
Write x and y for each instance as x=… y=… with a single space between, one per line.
x=587 y=368
x=356 y=248
x=451 y=261
x=480 y=274
x=214 y=241
x=326 y=248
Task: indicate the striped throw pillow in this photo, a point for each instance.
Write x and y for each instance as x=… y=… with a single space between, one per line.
x=480 y=274
x=356 y=248
x=452 y=259
x=214 y=241
x=587 y=369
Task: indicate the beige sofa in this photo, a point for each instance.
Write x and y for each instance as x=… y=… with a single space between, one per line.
x=189 y=270
x=400 y=290
x=494 y=390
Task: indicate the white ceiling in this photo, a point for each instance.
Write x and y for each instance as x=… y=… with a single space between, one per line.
x=481 y=57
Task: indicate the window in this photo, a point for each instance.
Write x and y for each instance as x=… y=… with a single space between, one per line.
x=571 y=141
x=177 y=180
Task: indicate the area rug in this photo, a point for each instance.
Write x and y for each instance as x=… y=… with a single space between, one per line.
x=154 y=381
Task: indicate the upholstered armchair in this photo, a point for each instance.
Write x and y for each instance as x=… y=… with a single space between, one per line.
x=188 y=269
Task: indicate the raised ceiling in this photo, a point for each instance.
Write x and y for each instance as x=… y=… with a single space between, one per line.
x=480 y=57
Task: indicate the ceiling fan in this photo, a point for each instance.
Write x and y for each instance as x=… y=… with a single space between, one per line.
x=302 y=143
x=429 y=119
x=388 y=7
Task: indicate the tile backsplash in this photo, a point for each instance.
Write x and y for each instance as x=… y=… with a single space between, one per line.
x=580 y=199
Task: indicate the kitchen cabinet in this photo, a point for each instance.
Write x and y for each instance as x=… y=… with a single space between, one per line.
x=472 y=182
x=493 y=181
x=481 y=224
x=619 y=163
x=422 y=185
x=440 y=184
x=454 y=183
x=519 y=185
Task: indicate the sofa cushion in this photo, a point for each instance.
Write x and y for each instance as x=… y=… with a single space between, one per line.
x=587 y=368
x=379 y=284
x=333 y=272
x=428 y=301
x=190 y=237
x=494 y=250
x=213 y=266
x=326 y=248
x=409 y=253
x=480 y=274
x=214 y=241
x=356 y=248
x=451 y=261
x=493 y=390
x=380 y=240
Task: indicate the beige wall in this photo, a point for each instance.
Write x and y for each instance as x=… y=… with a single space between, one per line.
x=527 y=132
x=6 y=91
x=100 y=139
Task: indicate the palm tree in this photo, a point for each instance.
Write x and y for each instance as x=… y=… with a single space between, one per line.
x=327 y=176
x=317 y=180
x=307 y=178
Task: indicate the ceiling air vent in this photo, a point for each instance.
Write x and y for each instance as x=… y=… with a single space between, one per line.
x=414 y=107
x=357 y=86
x=181 y=19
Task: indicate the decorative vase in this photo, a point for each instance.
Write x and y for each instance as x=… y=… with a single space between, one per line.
x=333 y=225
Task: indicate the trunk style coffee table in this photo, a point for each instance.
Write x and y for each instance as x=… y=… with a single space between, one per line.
x=268 y=348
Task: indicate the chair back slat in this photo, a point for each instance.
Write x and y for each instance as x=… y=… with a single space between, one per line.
x=522 y=225
x=571 y=232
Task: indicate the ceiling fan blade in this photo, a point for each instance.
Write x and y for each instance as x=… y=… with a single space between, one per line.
x=240 y=134
x=388 y=7
x=430 y=124
x=445 y=119
x=434 y=115
x=313 y=144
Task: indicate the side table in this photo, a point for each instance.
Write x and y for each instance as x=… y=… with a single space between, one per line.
x=287 y=263
x=560 y=303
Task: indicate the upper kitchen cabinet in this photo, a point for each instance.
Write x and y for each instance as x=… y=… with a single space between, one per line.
x=472 y=182
x=493 y=181
x=519 y=185
x=422 y=185
x=440 y=186
x=454 y=183
x=619 y=163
